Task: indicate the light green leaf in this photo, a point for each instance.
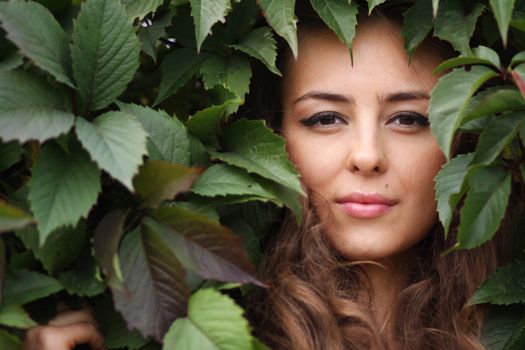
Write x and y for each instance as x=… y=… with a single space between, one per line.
x=38 y=36
x=9 y=341
x=484 y=206
x=493 y=101
x=31 y=109
x=498 y=135
x=214 y=322
x=15 y=316
x=63 y=188
x=105 y=52
x=503 y=12
x=177 y=68
x=233 y=73
x=452 y=25
x=435 y=8
x=480 y=55
x=140 y=8
x=116 y=141
x=418 y=22
x=149 y=35
x=340 y=16
x=23 y=286
x=280 y=15
x=504 y=287
x=260 y=44
x=12 y=218
x=518 y=58
x=205 y=14
x=450 y=187
x=168 y=139
x=372 y=4
x=450 y=98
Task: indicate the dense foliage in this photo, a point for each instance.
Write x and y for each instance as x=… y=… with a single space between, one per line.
x=129 y=181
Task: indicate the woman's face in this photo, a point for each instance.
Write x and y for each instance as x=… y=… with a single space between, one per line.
x=360 y=138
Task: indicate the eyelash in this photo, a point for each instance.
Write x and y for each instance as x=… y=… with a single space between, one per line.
x=416 y=117
x=335 y=118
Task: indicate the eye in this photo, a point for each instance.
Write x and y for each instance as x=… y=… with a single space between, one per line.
x=324 y=119
x=408 y=120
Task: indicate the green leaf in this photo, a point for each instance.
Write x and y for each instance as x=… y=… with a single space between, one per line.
x=260 y=44
x=63 y=188
x=23 y=286
x=494 y=101
x=450 y=98
x=15 y=316
x=31 y=109
x=12 y=218
x=105 y=52
x=116 y=141
x=503 y=12
x=340 y=16
x=435 y=8
x=501 y=326
x=108 y=233
x=484 y=206
x=140 y=8
x=3 y=265
x=233 y=73
x=417 y=24
x=155 y=279
x=38 y=36
x=149 y=35
x=450 y=187
x=518 y=58
x=177 y=68
x=503 y=287
x=280 y=15
x=205 y=14
x=214 y=322
x=10 y=154
x=372 y=4
x=83 y=281
x=158 y=181
x=518 y=74
x=9 y=341
x=454 y=26
x=12 y=61
x=498 y=135
x=168 y=139
x=480 y=55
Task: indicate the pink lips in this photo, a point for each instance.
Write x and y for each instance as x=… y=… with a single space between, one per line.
x=366 y=205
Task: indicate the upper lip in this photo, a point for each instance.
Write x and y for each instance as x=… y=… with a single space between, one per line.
x=366 y=198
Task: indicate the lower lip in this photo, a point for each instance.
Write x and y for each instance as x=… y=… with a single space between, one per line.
x=365 y=211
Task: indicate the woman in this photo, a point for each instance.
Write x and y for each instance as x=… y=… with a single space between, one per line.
x=364 y=269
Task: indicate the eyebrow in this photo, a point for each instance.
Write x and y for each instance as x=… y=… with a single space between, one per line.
x=405 y=96
x=326 y=96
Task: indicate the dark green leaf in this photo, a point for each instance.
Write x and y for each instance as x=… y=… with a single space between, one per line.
x=518 y=58
x=12 y=218
x=140 y=8
x=503 y=12
x=83 y=281
x=280 y=15
x=504 y=287
x=493 y=101
x=10 y=153
x=15 y=316
x=501 y=326
x=260 y=44
x=214 y=322
x=63 y=188
x=23 y=286
x=150 y=35
x=484 y=206
x=38 y=36
x=233 y=73
x=9 y=341
x=105 y=52
x=417 y=24
x=3 y=265
x=450 y=98
x=12 y=61
x=205 y=14
x=116 y=141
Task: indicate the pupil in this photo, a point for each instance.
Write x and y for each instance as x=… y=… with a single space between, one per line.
x=407 y=120
x=327 y=120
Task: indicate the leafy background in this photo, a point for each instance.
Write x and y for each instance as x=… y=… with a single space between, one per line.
x=130 y=181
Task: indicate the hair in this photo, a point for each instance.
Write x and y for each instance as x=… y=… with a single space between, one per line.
x=315 y=296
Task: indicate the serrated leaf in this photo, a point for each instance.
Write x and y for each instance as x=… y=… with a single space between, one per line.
x=484 y=206
x=167 y=136
x=493 y=101
x=158 y=181
x=450 y=98
x=480 y=55
x=340 y=16
x=214 y=322
x=203 y=246
x=15 y=316
x=83 y=281
x=157 y=290
x=454 y=26
x=39 y=36
x=177 y=68
x=498 y=135
x=260 y=44
x=23 y=286
x=503 y=287
x=116 y=141
x=150 y=34
x=140 y=8
x=63 y=188
x=10 y=154
x=501 y=326
x=281 y=17
x=9 y=341
x=30 y=109
x=233 y=73
x=372 y=4
x=12 y=218
x=105 y=52
x=106 y=242
x=450 y=187
x=503 y=13
x=417 y=23
x=205 y=14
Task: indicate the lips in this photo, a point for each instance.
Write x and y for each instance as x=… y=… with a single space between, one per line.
x=366 y=205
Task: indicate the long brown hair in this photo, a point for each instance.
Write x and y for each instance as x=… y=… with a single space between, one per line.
x=315 y=299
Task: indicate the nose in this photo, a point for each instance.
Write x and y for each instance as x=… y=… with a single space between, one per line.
x=366 y=155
